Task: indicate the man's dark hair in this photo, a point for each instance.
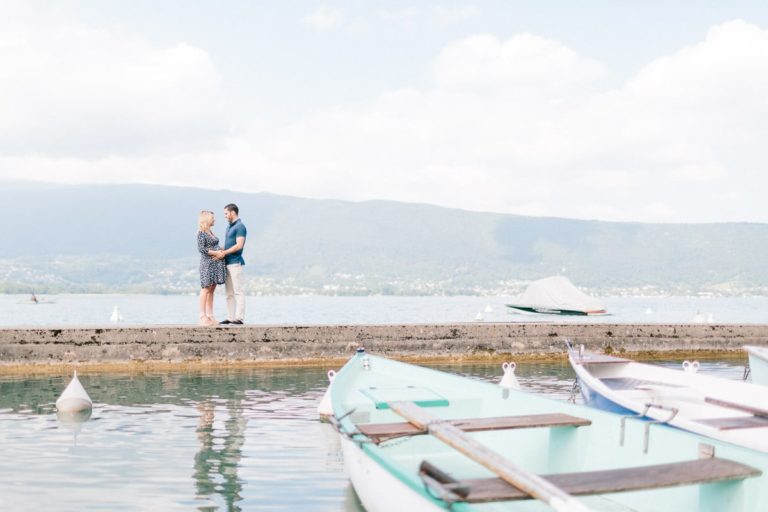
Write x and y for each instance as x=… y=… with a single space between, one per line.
x=232 y=207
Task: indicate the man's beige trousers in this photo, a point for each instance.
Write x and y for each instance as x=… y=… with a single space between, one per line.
x=235 y=293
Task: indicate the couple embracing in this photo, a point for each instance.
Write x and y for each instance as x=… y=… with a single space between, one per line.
x=220 y=266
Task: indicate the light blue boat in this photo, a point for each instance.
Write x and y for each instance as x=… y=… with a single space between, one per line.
x=465 y=440
x=732 y=411
x=758 y=364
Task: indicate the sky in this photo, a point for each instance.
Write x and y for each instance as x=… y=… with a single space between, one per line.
x=625 y=111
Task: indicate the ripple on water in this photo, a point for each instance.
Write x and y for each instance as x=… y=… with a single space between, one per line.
x=225 y=440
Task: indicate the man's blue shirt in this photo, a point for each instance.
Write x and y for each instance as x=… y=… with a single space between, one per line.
x=234 y=230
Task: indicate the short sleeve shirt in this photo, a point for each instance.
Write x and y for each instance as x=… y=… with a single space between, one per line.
x=234 y=230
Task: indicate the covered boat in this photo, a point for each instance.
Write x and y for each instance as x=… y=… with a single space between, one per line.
x=416 y=439
x=557 y=295
x=728 y=410
x=758 y=364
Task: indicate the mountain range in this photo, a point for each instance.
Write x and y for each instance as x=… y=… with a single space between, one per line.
x=141 y=238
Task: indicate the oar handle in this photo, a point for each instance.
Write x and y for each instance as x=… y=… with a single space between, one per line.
x=526 y=481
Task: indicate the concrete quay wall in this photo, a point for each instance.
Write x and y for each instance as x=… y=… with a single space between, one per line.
x=20 y=347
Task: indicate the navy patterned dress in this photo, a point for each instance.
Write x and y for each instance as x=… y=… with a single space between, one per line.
x=212 y=271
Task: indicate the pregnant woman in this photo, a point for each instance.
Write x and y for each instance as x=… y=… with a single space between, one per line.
x=212 y=269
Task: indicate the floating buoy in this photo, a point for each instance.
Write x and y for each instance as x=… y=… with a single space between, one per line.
x=74 y=398
x=117 y=316
x=325 y=409
x=73 y=421
x=479 y=317
x=690 y=366
x=509 y=381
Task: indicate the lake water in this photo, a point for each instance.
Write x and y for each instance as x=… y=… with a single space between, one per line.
x=16 y=310
x=210 y=441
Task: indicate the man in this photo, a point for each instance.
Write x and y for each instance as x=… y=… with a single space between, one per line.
x=234 y=241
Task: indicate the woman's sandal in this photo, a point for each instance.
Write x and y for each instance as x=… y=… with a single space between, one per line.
x=204 y=320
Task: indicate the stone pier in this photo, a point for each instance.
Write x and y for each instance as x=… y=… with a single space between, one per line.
x=322 y=344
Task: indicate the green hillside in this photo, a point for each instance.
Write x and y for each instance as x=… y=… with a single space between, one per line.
x=141 y=238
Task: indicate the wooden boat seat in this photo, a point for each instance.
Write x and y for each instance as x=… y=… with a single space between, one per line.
x=736 y=422
x=380 y=432
x=756 y=411
x=595 y=482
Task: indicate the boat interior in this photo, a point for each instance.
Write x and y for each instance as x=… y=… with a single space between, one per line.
x=578 y=448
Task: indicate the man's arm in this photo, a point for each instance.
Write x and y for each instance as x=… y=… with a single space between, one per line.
x=239 y=244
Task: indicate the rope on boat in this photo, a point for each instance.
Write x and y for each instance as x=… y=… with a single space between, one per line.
x=575 y=390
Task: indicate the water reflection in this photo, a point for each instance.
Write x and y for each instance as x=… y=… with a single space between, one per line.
x=73 y=421
x=216 y=464
x=227 y=440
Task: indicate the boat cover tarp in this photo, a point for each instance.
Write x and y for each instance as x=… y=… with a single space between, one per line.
x=558 y=292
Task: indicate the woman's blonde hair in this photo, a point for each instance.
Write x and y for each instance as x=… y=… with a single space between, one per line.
x=205 y=220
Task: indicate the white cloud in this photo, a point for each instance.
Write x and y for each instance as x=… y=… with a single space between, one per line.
x=324 y=18
x=71 y=90
x=454 y=14
x=406 y=15
x=522 y=64
x=524 y=125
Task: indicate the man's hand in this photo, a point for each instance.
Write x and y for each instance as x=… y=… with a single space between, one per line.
x=219 y=255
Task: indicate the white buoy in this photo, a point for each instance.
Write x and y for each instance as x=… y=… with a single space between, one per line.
x=325 y=409
x=74 y=398
x=509 y=381
x=73 y=421
x=117 y=316
x=690 y=366
x=488 y=308
x=479 y=317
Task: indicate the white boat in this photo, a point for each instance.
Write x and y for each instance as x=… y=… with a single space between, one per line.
x=35 y=300
x=556 y=295
x=727 y=410
x=116 y=315
x=416 y=439
x=74 y=398
x=758 y=364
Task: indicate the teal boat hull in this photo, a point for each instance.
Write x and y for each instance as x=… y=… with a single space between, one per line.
x=386 y=475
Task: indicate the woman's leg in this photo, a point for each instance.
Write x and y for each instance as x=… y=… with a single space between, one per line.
x=203 y=304
x=209 y=305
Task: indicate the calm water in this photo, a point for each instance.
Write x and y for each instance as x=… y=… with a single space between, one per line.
x=218 y=441
x=182 y=309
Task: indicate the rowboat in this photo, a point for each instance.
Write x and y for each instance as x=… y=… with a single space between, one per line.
x=415 y=439
x=758 y=364
x=74 y=398
x=727 y=410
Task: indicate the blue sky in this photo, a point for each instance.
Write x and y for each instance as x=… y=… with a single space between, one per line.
x=268 y=50
x=648 y=111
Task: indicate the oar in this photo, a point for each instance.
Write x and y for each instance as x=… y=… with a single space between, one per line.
x=528 y=482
